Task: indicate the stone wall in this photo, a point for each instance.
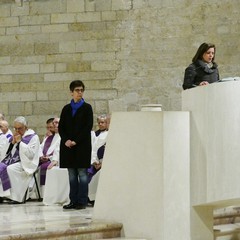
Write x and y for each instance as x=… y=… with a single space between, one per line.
x=127 y=52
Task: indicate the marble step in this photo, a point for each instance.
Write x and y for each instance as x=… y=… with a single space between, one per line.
x=35 y=221
x=90 y=231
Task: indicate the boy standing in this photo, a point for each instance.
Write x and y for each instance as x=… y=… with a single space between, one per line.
x=76 y=122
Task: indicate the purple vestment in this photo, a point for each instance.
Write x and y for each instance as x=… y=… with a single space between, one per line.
x=44 y=165
x=8 y=160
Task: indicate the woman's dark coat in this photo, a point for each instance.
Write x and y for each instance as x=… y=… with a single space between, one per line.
x=76 y=128
x=198 y=72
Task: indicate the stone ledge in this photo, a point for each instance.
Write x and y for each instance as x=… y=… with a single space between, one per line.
x=92 y=230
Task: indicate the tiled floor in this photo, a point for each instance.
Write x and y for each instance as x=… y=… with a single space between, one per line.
x=34 y=216
x=23 y=221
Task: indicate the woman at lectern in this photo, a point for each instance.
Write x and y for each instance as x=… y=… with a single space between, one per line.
x=203 y=70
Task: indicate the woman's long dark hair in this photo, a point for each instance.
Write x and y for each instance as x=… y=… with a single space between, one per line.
x=202 y=49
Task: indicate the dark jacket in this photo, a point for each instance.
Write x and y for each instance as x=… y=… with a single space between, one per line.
x=198 y=72
x=76 y=128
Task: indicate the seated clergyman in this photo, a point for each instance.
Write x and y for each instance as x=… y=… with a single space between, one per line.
x=5 y=136
x=48 y=147
x=20 y=162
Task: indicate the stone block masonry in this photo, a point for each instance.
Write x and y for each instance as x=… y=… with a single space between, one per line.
x=119 y=48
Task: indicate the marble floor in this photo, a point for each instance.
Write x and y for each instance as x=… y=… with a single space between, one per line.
x=34 y=216
x=34 y=220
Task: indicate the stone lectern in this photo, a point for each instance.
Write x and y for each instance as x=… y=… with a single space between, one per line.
x=214 y=150
x=145 y=177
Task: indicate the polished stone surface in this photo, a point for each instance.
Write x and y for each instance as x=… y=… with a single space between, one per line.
x=214 y=151
x=126 y=154
x=146 y=174
x=34 y=220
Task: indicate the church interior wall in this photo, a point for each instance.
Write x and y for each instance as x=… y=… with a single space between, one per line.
x=128 y=53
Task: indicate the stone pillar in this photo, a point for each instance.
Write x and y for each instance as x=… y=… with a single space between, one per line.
x=144 y=181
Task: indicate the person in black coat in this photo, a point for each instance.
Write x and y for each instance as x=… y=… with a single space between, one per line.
x=203 y=70
x=76 y=122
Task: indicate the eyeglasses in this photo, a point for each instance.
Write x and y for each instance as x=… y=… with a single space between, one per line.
x=79 y=90
x=18 y=129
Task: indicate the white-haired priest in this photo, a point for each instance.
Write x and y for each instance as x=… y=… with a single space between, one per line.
x=21 y=161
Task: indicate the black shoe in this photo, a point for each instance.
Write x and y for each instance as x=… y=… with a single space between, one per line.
x=80 y=206
x=91 y=203
x=1 y=200
x=69 y=206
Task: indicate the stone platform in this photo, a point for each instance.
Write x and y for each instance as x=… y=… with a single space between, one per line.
x=34 y=221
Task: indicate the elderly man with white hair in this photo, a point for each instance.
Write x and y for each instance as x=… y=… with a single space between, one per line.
x=21 y=161
x=5 y=136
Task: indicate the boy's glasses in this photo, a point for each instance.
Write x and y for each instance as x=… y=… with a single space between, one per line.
x=79 y=90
